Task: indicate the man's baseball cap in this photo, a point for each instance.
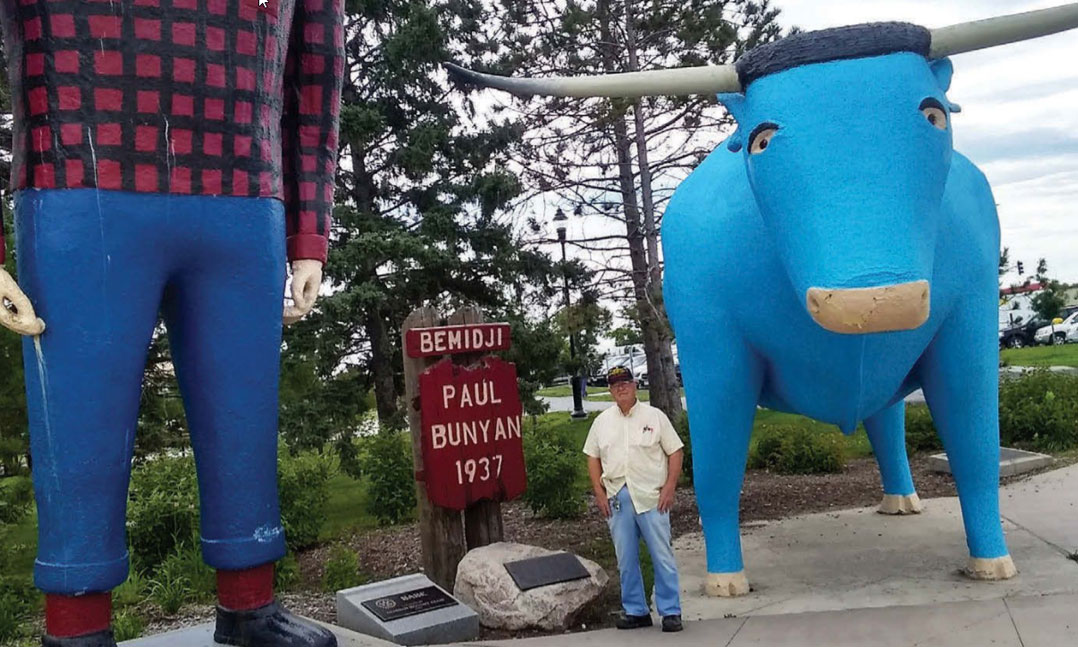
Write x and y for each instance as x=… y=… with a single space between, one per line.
x=619 y=374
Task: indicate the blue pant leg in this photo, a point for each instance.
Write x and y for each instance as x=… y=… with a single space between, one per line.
x=223 y=311
x=655 y=529
x=87 y=261
x=886 y=433
x=626 y=538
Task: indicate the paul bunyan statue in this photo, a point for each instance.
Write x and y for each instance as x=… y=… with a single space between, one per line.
x=840 y=210
x=168 y=156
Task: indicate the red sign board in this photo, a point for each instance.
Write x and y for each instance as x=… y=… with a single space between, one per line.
x=447 y=340
x=472 y=447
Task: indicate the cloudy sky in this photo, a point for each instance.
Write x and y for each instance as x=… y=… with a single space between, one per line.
x=1019 y=119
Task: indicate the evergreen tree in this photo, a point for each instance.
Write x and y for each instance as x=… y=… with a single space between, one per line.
x=620 y=159
x=422 y=203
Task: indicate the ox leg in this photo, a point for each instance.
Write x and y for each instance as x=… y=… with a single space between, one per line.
x=960 y=376
x=722 y=386
x=887 y=434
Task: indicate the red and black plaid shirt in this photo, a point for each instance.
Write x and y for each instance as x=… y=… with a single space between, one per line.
x=206 y=97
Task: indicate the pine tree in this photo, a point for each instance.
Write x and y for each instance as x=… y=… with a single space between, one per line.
x=423 y=193
x=619 y=160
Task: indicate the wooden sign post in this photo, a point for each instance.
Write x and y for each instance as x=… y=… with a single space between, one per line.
x=465 y=415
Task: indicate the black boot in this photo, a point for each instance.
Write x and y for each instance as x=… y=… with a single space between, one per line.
x=96 y=639
x=672 y=623
x=626 y=621
x=269 y=626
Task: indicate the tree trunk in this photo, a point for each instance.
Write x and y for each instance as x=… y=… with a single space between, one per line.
x=665 y=393
x=382 y=358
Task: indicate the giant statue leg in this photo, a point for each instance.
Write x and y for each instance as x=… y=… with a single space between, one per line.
x=887 y=434
x=961 y=384
x=223 y=309
x=92 y=269
x=722 y=385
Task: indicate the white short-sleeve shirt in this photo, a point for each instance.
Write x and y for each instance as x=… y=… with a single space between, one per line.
x=633 y=449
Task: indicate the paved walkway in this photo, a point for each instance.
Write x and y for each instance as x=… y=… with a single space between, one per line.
x=1043 y=621
x=857 y=578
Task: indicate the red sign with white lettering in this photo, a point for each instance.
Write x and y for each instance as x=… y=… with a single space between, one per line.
x=448 y=340
x=472 y=447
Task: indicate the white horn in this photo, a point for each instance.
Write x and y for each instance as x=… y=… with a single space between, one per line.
x=970 y=36
x=710 y=79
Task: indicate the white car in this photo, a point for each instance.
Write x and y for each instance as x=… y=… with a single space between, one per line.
x=1060 y=333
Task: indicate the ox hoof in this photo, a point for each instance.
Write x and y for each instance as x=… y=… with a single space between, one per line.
x=900 y=504
x=996 y=568
x=727 y=585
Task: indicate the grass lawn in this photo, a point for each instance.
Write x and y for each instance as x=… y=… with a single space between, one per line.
x=1065 y=355
x=346 y=509
x=855 y=445
x=21 y=537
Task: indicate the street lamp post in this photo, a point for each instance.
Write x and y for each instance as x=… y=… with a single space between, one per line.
x=575 y=380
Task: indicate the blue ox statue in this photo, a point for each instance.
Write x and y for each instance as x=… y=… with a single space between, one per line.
x=835 y=255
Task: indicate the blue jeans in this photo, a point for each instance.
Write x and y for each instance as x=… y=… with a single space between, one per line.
x=626 y=528
x=99 y=266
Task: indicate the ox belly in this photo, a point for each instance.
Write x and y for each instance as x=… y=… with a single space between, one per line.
x=843 y=379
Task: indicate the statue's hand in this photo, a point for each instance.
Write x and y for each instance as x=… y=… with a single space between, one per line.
x=19 y=315
x=306 y=279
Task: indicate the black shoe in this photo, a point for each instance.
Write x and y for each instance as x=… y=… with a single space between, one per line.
x=626 y=621
x=672 y=623
x=269 y=626
x=96 y=639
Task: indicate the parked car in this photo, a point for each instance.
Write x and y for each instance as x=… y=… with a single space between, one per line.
x=1022 y=335
x=1059 y=333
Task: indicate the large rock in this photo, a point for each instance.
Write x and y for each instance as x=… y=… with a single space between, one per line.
x=484 y=585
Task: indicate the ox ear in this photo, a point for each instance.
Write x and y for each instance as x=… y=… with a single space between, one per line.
x=734 y=102
x=943 y=69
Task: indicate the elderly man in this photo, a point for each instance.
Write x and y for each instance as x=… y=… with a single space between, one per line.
x=634 y=460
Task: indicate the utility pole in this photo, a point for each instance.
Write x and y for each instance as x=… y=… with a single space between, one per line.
x=574 y=377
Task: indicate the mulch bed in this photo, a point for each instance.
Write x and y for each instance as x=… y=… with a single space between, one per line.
x=389 y=552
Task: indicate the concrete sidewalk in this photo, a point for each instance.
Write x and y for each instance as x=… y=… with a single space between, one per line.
x=855 y=577
x=1043 y=621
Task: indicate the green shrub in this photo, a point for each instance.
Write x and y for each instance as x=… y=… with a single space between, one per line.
x=1039 y=411
x=286 y=573
x=921 y=434
x=127 y=625
x=553 y=466
x=794 y=450
x=17 y=601
x=186 y=563
x=170 y=592
x=681 y=425
x=767 y=452
x=303 y=483
x=131 y=592
x=162 y=513
x=181 y=578
x=387 y=463
x=16 y=493
x=342 y=570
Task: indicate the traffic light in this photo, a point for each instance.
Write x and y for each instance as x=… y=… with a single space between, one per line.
x=1020 y=270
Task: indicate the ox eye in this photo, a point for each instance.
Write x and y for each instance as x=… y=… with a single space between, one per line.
x=934 y=113
x=760 y=138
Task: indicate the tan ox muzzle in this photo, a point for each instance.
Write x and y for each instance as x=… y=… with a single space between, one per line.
x=857 y=311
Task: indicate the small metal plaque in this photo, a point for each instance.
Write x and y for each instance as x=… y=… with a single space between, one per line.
x=543 y=571
x=409 y=603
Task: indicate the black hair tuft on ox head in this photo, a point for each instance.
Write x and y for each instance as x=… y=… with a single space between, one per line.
x=839 y=43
